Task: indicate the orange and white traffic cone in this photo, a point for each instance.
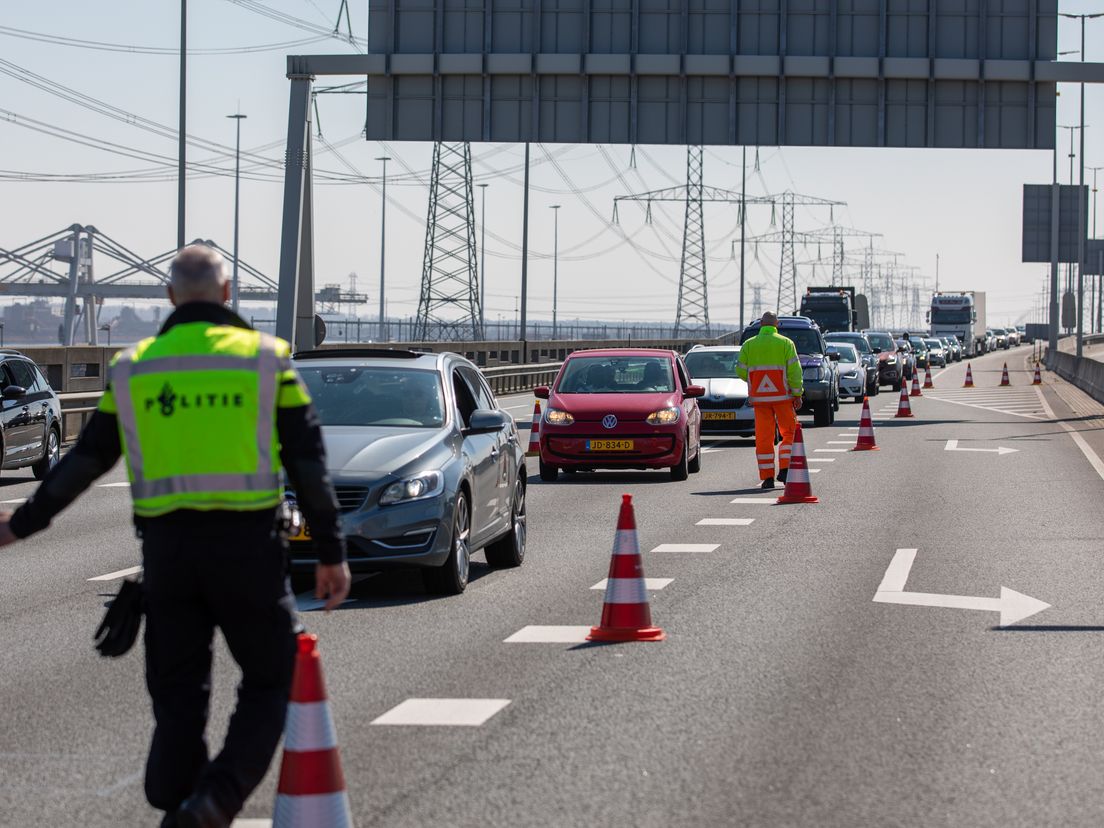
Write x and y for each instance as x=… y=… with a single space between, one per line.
x=534 y=432
x=797 y=488
x=626 y=615
x=866 y=430
x=311 y=790
x=904 y=409
x=916 y=392
x=928 y=380
x=1038 y=376
x=969 y=377
x=1004 y=376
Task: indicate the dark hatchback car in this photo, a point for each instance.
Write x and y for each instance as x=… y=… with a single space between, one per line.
x=30 y=416
x=427 y=468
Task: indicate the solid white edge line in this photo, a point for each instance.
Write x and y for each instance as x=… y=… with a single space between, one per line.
x=1086 y=449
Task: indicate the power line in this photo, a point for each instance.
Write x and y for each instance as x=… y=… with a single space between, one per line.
x=134 y=49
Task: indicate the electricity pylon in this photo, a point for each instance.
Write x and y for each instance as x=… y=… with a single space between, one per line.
x=692 y=310
x=448 y=305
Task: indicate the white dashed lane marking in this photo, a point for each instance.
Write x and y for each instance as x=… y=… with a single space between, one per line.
x=726 y=522
x=122 y=485
x=442 y=712
x=649 y=583
x=549 y=635
x=15 y=500
x=687 y=547
x=114 y=576
x=839 y=442
x=763 y=501
x=821 y=459
x=829 y=451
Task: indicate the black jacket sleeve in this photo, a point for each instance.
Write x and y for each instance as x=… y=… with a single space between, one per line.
x=304 y=459
x=96 y=451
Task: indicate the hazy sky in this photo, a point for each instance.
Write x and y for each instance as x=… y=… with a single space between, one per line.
x=963 y=205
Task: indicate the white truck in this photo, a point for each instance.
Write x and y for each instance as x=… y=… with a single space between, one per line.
x=961 y=315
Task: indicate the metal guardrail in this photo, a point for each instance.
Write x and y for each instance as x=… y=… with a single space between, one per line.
x=77 y=407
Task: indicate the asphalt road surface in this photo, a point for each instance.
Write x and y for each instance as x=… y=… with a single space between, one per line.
x=784 y=695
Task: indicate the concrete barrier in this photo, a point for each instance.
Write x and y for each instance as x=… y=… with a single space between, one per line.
x=1086 y=373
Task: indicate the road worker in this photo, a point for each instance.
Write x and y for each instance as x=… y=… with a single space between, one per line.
x=206 y=413
x=769 y=364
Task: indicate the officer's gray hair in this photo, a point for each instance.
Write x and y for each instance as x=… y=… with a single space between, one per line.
x=770 y=318
x=198 y=274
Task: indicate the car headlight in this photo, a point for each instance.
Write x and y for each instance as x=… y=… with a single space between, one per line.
x=665 y=416
x=891 y=360
x=851 y=375
x=555 y=416
x=813 y=372
x=416 y=487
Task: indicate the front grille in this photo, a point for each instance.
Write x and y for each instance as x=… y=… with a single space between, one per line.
x=727 y=404
x=350 y=498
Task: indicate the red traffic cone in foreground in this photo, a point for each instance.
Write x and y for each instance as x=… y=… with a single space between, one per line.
x=1004 y=376
x=1038 y=377
x=916 y=392
x=797 y=488
x=534 y=432
x=904 y=409
x=311 y=791
x=928 y=380
x=866 y=430
x=626 y=615
x=969 y=377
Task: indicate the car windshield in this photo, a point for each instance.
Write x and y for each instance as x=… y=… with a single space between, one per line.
x=918 y=345
x=881 y=342
x=827 y=313
x=712 y=364
x=847 y=352
x=617 y=375
x=934 y=343
x=860 y=343
x=366 y=395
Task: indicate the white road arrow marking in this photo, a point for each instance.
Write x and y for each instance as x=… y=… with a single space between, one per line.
x=952 y=445
x=1013 y=606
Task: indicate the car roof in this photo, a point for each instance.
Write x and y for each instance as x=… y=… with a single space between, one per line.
x=385 y=357
x=847 y=334
x=843 y=345
x=789 y=322
x=697 y=349
x=605 y=352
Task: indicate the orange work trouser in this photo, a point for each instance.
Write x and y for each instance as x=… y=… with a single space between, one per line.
x=767 y=417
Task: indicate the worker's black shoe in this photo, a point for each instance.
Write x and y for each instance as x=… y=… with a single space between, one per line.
x=782 y=475
x=169 y=820
x=200 y=811
x=767 y=484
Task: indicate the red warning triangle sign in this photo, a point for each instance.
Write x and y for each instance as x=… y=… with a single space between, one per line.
x=766 y=386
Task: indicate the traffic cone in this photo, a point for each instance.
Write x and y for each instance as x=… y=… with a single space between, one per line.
x=1004 y=376
x=1038 y=377
x=797 y=488
x=916 y=392
x=625 y=612
x=534 y=432
x=866 y=430
x=311 y=790
x=969 y=377
x=928 y=380
x=903 y=407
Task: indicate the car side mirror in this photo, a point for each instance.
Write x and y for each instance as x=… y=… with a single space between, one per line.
x=694 y=391
x=14 y=392
x=541 y=392
x=487 y=421
x=834 y=357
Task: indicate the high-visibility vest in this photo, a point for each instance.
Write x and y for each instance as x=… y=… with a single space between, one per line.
x=769 y=363
x=196 y=408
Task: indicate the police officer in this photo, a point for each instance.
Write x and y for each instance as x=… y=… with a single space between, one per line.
x=206 y=413
x=770 y=365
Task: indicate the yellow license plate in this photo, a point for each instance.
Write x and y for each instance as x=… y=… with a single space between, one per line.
x=609 y=445
x=718 y=415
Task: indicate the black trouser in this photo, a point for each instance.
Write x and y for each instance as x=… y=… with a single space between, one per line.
x=204 y=571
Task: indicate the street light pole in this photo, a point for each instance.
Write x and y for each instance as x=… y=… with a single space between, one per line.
x=1100 y=270
x=555 y=263
x=235 y=284
x=383 y=246
x=181 y=151
x=483 y=262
